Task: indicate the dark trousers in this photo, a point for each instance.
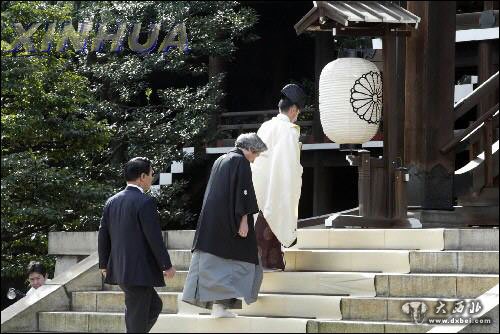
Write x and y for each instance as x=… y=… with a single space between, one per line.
x=142 y=308
x=268 y=245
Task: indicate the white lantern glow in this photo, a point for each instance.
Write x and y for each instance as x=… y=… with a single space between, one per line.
x=350 y=100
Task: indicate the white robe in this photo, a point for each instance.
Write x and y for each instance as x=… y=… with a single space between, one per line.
x=277 y=177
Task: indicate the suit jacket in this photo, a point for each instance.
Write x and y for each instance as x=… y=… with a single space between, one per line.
x=130 y=242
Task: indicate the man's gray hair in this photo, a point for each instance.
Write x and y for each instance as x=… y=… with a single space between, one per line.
x=251 y=141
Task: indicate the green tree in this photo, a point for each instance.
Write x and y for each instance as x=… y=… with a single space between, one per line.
x=70 y=120
x=158 y=102
x=50 y=138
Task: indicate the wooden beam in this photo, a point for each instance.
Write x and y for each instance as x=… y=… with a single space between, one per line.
x=471 y=20
x=250 y=113
x=255 y=126
x=256 y=113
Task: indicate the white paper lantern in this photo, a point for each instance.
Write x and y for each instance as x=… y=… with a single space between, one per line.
x=350 y=100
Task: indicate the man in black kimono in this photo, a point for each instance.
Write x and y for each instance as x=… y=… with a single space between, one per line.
x=225 y=263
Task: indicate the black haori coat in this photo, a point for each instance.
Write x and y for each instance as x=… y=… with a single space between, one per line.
x=229 y=196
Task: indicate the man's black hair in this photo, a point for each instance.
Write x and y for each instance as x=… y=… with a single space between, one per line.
x=135 y=167
x=36 y=267
x=285 y=104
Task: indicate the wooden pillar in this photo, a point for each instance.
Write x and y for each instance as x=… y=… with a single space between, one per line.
x=393 y=113
x=429 y=118
x=486 y=68
x=364 y=184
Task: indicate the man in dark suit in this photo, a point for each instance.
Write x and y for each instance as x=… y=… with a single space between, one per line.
x=132 y=253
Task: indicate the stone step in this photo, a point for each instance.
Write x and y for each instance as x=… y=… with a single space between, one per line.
x=472 y=239
x=472 y=262
x=434 y=285
x=180 y=258
x=396 y=261
x=281 y=305
x=391 y=309
x=95 y=322
x=405 y=239
x=319 y=283
x=428 y=239
x=362 y=284
x=275 y=305
x=82 y=322
x=75 y=244
x=327 y=260
x=171 y=323
x=345 y=326
x=114 y=301
x=182 y=323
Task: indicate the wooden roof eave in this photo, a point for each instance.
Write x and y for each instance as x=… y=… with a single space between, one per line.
x=328 y=10
x=306 y=21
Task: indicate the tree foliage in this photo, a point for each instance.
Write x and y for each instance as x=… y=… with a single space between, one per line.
x=70 y=120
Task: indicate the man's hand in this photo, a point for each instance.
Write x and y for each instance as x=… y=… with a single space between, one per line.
x=243 y=231
x=169 y=273
x=103 y=272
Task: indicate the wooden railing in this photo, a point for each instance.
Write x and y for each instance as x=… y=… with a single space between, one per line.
x=257 y=118
x=481 y=130
x=480 y=124
x=468 y=102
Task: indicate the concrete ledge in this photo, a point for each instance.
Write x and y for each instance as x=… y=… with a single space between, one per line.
x=83 y=276
x=54 y=296
x=179 y=239
x=22 y=315
x=77 y=243
x=72 y=243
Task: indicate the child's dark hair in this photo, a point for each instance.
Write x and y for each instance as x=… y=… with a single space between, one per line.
x=36 y=267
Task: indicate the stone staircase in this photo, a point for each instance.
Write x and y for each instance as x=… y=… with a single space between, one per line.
x=336 y=280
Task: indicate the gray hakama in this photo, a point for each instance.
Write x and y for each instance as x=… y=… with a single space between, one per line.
x=215 y=279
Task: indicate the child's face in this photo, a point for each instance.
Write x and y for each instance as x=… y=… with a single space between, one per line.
x=36 y=280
